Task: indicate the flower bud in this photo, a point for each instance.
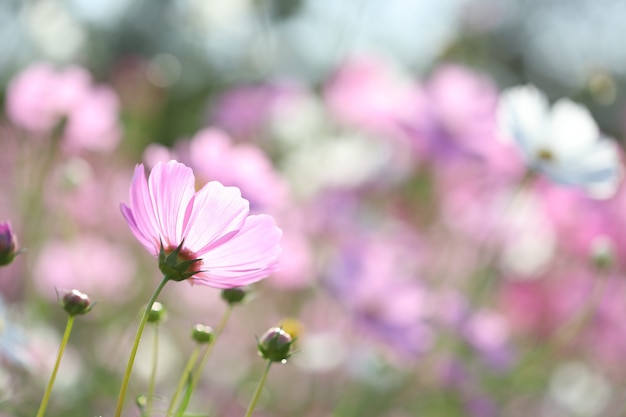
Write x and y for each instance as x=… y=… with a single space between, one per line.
x=602 y=252
x=8 y=244
x=157 y=313
x=75 y=303
x=234 y=295
x=202 y=334
x=141 y=401
x=275 y=345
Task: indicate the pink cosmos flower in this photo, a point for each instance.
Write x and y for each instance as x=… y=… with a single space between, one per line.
x=40 y=96
x=212 y=225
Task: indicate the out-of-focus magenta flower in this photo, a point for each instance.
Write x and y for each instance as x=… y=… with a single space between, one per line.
x=213 y=156
x=212 y=225
x=472 y=198
x=369 y=94
x=8 y=244
x=93 y=124
x=565 y=207
x=488 y=333
x=40 y=97
x=374 y=281
x=88 y=262
x=459 y=119
x=543 y=307
x=243 y=111
x=297 y=269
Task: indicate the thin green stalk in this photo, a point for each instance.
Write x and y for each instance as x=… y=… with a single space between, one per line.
x=184 y=378
x=133 y=352
x=578 y=323
x=207 y=353
x=259 y=388
x=184 y=403
x=155 y=362
x=46 y=396
x=485 y=256
x=568 y=333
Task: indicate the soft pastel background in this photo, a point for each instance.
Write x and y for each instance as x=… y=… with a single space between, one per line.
x=425 y=277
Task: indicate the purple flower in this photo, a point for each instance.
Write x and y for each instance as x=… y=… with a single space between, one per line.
x=8 y=244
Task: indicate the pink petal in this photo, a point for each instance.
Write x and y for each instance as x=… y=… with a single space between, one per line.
x=147 y=241
x=172 y=187
x=144 y=224
x=251 y=255
x=218 y=213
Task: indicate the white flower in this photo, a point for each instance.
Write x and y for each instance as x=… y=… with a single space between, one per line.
x=562 y=142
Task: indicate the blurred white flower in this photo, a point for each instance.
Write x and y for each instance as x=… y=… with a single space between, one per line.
x=562 y=142
x=579 y=390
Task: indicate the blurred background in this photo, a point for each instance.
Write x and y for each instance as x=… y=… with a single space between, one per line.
x=420 y=273
x=189 y=51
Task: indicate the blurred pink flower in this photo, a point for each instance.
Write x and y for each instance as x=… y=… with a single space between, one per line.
x=90 y=263
x=460 y=120
x=243 y=111
x=213 y=156
x=92 y=125
x=543 y=307
x=212 y=224
x=368 y=93
x=297 y=269
x=40 y=97
x=566 y=207
x=372 y=276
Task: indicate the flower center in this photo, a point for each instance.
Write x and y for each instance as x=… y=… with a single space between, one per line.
x=545 y=155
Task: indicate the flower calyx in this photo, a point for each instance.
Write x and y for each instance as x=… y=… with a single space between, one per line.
x=177 y=265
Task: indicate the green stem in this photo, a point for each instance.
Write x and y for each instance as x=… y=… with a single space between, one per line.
x=46 y=396
x=259 y=388
x=133 y=352
x=184 y=378
x=155 y=361
x=485 y=255
x=207 y=353
x=581 y=319
x=184 y=403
